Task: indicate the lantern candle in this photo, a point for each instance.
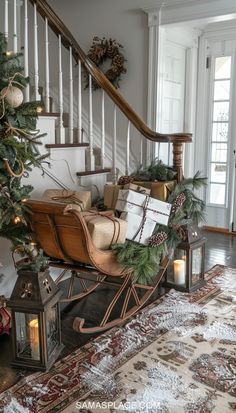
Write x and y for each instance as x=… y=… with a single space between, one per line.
x=179 y=271
x=34 y=338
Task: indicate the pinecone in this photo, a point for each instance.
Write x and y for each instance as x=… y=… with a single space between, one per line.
x=111 y=50
x=157 y=239
x=118 y=60
x=110 y=74
x=116 y=70
x=181 y=232
x=178 y=203
x=125 y=179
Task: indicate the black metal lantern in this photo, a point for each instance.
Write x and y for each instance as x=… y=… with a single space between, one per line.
x=35 y=320
x=186 y=270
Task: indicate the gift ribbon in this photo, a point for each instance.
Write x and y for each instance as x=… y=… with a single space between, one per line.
x=115 y=221
x=92 y=214
x=139 y=189
x=72 y=197
x=145 y=208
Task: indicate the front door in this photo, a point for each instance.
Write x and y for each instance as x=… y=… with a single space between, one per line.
x=221 y=124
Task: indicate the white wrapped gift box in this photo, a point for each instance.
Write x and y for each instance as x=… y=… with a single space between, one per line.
x=134 y=202
x=134 y=225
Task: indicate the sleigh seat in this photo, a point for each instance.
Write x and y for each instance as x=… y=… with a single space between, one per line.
x=65 y=239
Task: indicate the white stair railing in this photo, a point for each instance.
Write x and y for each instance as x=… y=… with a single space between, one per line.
x=91 y=156
x=127 y=158
x=96 y=109
x=15 y=34
x=26 y=49
x=79 y=114
x=71 y=99
x=36 y=56
x=114 y=152
x=6 y=19
x=60 y=102
x=103 y=131
x=47 y=69
x=41 y=73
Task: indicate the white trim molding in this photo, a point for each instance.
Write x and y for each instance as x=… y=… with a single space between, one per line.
x=154 y=18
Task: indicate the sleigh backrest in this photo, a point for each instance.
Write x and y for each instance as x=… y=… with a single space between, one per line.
x=61 y=236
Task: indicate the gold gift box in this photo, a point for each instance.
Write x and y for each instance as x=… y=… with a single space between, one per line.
x=160 y=189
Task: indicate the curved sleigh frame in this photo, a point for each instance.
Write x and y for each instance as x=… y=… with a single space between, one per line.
x=64 y=237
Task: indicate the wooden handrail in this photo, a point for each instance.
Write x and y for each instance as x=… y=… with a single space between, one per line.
x=68 y=40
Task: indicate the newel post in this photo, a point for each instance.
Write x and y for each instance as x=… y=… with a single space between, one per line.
x=178 y=159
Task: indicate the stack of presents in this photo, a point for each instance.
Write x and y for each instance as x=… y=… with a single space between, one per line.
x=131 y=210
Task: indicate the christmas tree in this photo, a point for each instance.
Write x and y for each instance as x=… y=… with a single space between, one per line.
x=18 y=147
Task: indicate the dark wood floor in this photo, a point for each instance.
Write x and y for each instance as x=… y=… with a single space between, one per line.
x=220 y=249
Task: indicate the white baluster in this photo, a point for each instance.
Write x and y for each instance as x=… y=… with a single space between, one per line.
x=91 y=157
x=103 y=131
x=36 y=56
x=141 y=150
x=15 y=37
x=26 y=50
x=79 y=125
x=71 y=99
x=114 y=148
x=61 y=126
x=127 y=149
x=6 y=19
x=47 y=72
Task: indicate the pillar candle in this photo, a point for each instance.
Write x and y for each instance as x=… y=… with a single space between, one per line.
x=34 y=338
x=179 y=272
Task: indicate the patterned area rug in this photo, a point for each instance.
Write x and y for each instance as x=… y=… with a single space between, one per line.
x=177 y=356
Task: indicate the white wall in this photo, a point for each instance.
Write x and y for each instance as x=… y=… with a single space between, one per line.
x=121 y=20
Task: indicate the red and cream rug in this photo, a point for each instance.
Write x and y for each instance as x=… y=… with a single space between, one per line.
x=176 y=355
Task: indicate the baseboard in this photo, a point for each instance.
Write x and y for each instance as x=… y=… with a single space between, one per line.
x=219 y=230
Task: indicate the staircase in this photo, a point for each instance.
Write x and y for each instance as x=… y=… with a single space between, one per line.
x=90 y=134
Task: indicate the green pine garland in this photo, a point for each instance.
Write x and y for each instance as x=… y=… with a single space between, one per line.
x=156 y=171
x=143 y=260
x=18 y=140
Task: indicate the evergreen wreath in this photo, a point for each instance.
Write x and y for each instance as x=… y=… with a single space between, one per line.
x=143 y=260
x=103 y=50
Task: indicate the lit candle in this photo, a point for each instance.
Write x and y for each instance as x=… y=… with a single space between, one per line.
x=34 y=338
x=179 y=272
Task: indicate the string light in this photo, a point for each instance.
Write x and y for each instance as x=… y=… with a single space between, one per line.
x=39 y=109
x=17 y=220
x=9 y=53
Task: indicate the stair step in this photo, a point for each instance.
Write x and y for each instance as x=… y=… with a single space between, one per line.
x=67 y=145
x=97 y=172
x=53 y=114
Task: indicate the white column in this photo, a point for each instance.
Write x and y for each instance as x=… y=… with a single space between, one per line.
x=127 y=149
x=36 y=56
x=26 y=49
x=91 y=157
x=47 y=70
x=6 y=19
x=79 y=126
x=15 y=36
x=114 y=147
x=60 y=103
x=103 y=131
x=190 y=106
x=154 y=75
x=71 y=99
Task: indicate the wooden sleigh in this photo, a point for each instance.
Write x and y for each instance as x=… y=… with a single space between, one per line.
x=66 y=240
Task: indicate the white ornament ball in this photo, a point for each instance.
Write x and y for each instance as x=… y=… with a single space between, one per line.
x=13 y=96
